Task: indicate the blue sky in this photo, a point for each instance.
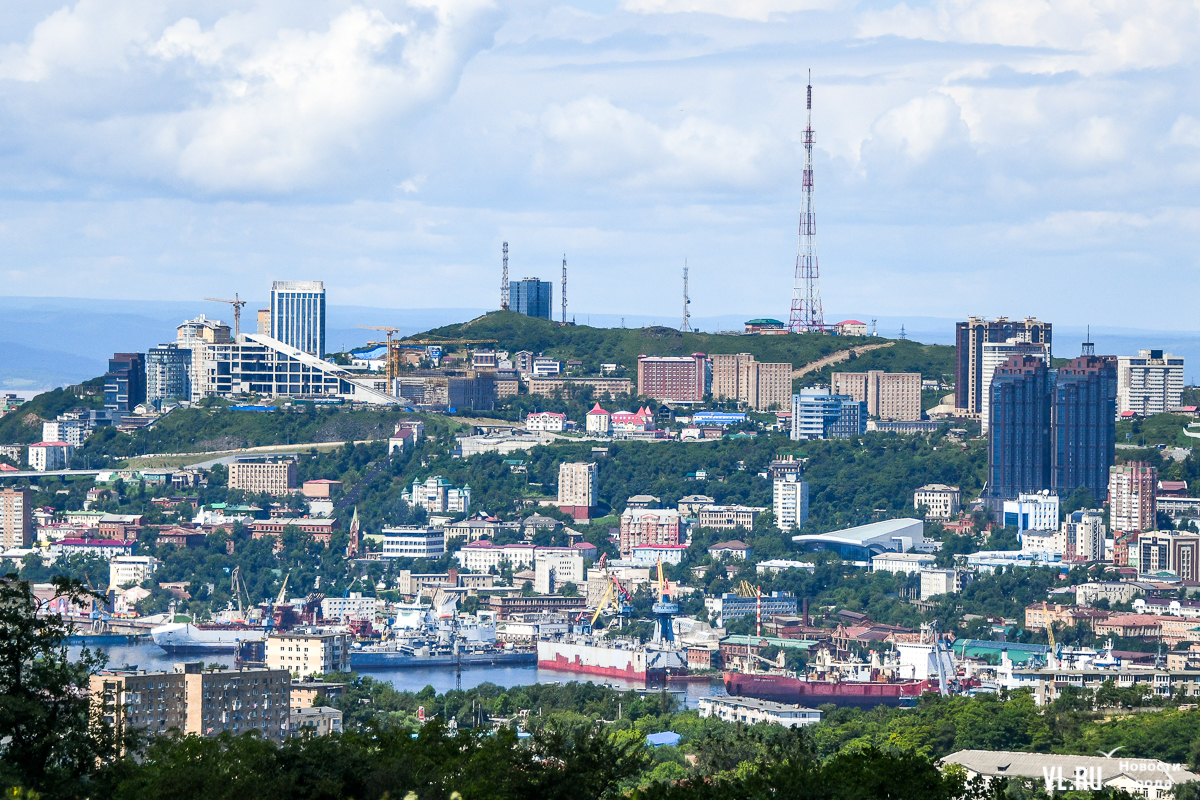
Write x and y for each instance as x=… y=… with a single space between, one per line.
x=973 y=156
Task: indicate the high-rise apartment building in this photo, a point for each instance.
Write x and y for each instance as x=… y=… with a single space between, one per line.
x=309 y=651
x=674 y=379
x=996 y=354
x=298 y=315
x=1149 y=383
x=1131 y=497
x=1084 y=427
x=1019 y=452
x=168 y=374
x=760 y=385
x=648 y=526
x=531 y=297
x=125 y=383
x=790 y=501
x=16 y=518
x=1085 y=534
x=263 y=474
x=970 y=336
x=577 y=493
x=888 y=395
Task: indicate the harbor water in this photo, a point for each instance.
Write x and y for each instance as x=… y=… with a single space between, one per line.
x=149 y=656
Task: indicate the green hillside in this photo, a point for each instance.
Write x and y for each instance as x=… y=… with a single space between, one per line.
x=596 y=346
x=24 y=425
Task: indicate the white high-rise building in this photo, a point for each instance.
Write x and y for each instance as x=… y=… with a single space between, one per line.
x=790 y=502
x=577 y=493
x=298 y=315
x=1149 y=383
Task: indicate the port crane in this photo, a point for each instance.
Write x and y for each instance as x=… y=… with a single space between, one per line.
x=664 y=610
x=746 y=590
x=238 y=304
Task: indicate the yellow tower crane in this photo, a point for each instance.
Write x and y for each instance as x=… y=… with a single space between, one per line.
x=238 y=304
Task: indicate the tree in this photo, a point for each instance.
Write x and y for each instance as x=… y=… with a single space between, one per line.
x=52 y=740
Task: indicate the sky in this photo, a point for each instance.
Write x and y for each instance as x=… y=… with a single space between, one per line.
x=973 y=156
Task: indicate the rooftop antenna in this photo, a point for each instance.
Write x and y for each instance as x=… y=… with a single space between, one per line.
x=1089 y=349
x=807 y=313
x=874 y=328
x=686 y=327
x=564 y=290
x=504 y=281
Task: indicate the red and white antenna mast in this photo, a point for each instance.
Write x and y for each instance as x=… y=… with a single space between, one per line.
x=807 y=314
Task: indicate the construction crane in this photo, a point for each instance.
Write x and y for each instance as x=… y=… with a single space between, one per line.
x=392 y=366
x=283 y=590
x=746 y=590
x=1049 y=627
x=238 y=304
x=236 y=585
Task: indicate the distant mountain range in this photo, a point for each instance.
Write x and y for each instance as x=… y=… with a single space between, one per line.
x=55 y=341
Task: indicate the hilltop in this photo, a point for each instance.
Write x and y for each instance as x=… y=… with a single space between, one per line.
x=596 y=346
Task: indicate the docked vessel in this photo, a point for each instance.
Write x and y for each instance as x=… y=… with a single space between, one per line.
x=185 y=637
x=613 y=658
x=802 y=691
x=388 y=656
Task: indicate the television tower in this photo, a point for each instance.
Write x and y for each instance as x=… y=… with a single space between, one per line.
x=807 y=314
x=564 y=290
x=504 y=281
x=686 y=327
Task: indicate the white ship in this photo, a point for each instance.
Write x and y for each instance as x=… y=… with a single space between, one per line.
x=184 y=637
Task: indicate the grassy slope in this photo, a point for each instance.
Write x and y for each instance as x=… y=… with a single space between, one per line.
x=24 y=425
x=595 y=346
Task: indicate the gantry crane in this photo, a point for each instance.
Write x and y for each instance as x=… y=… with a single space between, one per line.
x=238 y=304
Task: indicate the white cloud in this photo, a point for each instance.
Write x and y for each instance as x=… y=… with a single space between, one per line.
x=758 y=10
x=920 y=126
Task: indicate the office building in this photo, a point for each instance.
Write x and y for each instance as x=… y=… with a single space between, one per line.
x=1149 y=383
x=437 y=496
x=1173 y=552
x=410 y=541
x=309 y=651
x=760 y=386
x=298 y=315
x=902 y=563
x=531 y=297
x=648 y=526
x=817 y=414
x=1083 y=434
x=888 y=395
x=259 y=474
x=1032 y=511
x=674 y=379
x=970 y=336
x=939 y=500
x=168 y=374
x=16 y=519
x=1131 y=497
x=261 y=365
x=1084 y=535
x=555 y=567
x=577 y=492
x=125 y=383
x=130 y=570
x=789 y=497
x=996 y=354
x=196 y=701
x=1019 y=453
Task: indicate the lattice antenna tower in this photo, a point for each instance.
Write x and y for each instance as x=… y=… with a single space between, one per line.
x=807 y=313
x=504 y=281
x=686 y=327
x=564 y=290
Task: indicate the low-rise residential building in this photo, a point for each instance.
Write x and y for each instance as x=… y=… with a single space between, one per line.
x=939 y=581
x=413 y=542
x=321 y=489
x=727 y=518
x=319 y=528
x=1086 y=594
x=750 y=711
x=555 y=567
x=653 y=553
x=352 y=606
x=104 y=548
x=437 y=496
x=656 y=526
x=305 y=693
x=196 y=701
x=1149 y=778
x=309 y=651
x=319 y=721
x=50 y=456
x=263 y=474
x=486 y=556
x=732 y=549
x=939 y=500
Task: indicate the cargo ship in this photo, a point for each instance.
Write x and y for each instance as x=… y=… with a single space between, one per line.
x=800 y=691
x=612 y=658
